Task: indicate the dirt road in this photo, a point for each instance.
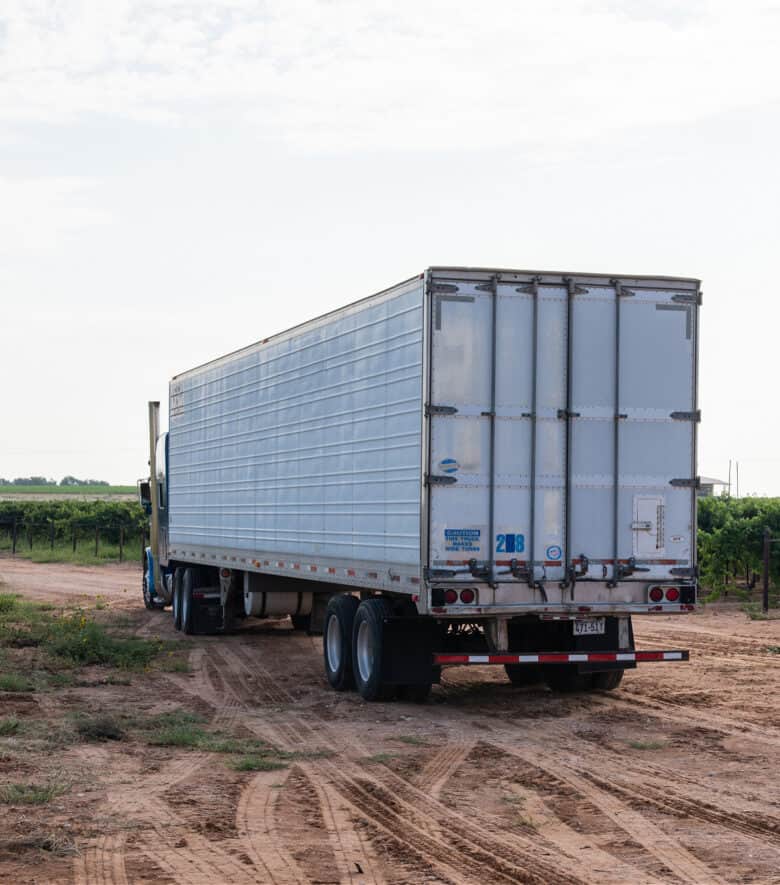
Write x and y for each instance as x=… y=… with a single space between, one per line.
x=672 y=778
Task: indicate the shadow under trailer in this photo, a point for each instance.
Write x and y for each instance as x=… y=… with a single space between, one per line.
x=475 y=466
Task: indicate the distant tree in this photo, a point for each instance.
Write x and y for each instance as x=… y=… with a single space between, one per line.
x=32 y=481
x=74 y=481
x=4 y=482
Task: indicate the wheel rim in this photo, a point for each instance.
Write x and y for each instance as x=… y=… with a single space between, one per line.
x=175 y=604
x=365 y=650
x=185 y=608
x=333 y=639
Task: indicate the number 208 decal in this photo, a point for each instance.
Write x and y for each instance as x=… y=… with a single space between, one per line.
x=510 y=543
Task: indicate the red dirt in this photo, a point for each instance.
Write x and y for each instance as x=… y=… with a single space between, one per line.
x=671 y=778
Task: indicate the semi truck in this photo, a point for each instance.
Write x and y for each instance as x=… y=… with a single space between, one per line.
x=474 y=466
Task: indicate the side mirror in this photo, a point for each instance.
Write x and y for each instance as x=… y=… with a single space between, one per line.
x=145 y=495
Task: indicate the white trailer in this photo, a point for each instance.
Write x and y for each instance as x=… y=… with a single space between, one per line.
x=473 y=466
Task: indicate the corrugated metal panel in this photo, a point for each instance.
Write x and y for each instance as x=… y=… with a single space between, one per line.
x=309 y=444
x=606 y=390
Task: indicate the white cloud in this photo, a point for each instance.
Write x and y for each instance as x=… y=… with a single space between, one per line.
x=39 y=213
x=348 y=74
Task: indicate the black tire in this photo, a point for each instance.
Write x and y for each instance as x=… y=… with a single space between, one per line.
x=367 y=642
x=178 y=577
x=301 y=622
x=337 y=641
x=524 y=674
x=607 y=680
x=188 y=584
x=564 y=678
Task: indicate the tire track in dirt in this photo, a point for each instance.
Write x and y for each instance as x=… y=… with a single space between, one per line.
x=200 y=861
x=102 y=863
x=670 y=711
x=685 y=865
x=674 y=805
x=469 y=844
x=257 y=828
x=348 y=847
x=441 y=767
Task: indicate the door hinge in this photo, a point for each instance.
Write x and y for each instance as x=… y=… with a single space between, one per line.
x=685 y=571
x=693 y=298
x=694 y=483
x=440 y=410
x=573 y=288
x=621 y=290
x=687 y=416
x=432 y=479
x=442 y=287
x=432 y=574
x=565 y=413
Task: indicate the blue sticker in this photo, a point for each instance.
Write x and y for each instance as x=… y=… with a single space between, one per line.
x=511 y=542
x=462 y=540
x=449 y=465
x=554 y=552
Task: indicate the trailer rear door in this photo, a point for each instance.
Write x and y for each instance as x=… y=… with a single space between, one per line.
x=562 y=426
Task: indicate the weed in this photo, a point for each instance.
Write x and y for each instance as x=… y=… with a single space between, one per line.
x=82 y=641
x=15 y=682
x=8 y=725
x=100 y=728
x=414 y=740
x=753 y=611
x=647 y=745
x=773 y=649
x=30 y=794
x=380 y=758
x=257 y=763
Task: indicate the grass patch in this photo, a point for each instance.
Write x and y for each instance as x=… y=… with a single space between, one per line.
x=754 y=612
x=647 y=745
x=413 y=740
x=15 y=682
x=99 y=729
x=773 y=649
x=380 y=758
x=30 y=794
x=9 y=725
x=258 y=763
x=83 y=641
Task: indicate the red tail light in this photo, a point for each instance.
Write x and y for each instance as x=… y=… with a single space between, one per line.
x=467 y=595
x=450 y=597
x=672 y=594
x=656 y=594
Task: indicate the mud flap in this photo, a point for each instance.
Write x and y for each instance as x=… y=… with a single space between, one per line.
x=408 y=645
x=610 y=639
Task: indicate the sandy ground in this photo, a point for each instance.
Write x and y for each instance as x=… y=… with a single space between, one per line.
x=671 y=779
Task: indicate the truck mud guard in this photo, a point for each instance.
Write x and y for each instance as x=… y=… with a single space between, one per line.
x=593 y=657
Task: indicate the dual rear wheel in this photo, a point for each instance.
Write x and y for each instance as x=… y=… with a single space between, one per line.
x=354 y=640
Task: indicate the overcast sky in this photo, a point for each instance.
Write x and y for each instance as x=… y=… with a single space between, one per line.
x=178 y=179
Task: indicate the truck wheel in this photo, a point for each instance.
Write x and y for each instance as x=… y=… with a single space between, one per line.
x=367 y=642
x=178 y=576
x=188 y=584
x=565 y=678
x=524 y=674
x=607 y=680
x=337 y=641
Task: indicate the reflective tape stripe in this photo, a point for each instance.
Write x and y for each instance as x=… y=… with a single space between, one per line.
x=594 y=657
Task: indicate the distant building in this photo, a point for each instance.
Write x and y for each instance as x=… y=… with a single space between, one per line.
x=711 y=486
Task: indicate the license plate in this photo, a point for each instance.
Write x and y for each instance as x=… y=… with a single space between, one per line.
x=591 y=627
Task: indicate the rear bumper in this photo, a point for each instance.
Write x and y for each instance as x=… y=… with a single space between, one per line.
x=594 y=657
